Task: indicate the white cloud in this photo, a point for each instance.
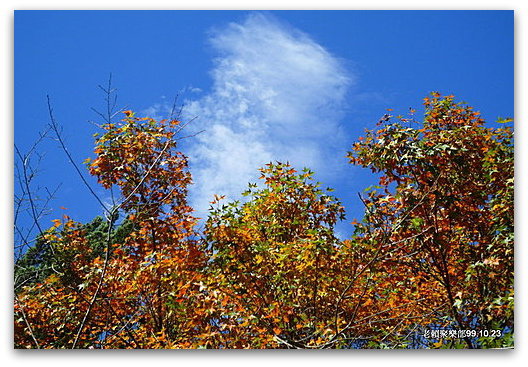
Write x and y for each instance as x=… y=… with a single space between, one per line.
x=277 y=95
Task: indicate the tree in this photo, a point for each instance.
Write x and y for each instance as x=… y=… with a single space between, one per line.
x=132 y=294
x=274 y=264
x=443 y=214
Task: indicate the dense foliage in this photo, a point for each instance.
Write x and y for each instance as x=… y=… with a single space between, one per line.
x=433 y=251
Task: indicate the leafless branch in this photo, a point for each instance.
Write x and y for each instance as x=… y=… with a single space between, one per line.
x=58 y=134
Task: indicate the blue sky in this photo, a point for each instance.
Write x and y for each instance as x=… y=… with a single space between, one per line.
x=290 y=85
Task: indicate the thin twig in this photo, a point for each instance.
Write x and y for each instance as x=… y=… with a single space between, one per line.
x=56 y=129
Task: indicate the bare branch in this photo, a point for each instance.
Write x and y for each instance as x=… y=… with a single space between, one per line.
x=58 y=134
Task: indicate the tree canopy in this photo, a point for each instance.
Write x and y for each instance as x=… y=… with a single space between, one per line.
x=433 y=252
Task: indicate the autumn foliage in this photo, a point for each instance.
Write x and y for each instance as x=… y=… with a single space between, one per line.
x=433 y=251
x=443 y=214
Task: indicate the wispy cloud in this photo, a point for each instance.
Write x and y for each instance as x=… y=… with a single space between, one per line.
x=277 y=95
